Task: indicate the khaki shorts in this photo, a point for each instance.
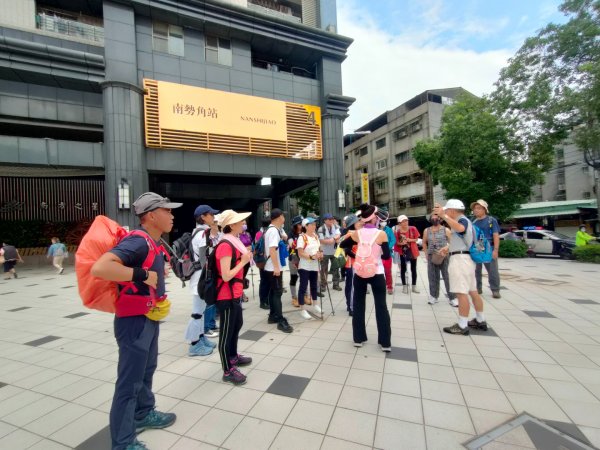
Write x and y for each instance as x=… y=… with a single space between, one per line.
x=461 y=272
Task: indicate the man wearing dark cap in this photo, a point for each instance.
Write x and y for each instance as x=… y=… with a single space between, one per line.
x=272 y=271
x=199 y=344
x=133 y=407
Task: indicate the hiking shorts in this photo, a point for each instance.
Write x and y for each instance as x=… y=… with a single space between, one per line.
x=461 y=271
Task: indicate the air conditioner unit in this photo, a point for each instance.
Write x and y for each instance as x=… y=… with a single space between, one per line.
x=416 y=127
x=357 y=151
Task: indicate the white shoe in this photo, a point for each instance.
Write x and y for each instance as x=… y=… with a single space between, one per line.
x=415 y=290
x=454 y=302
x=305 y=315
x=316 y=308
x=358 y=344
x=211 y=334
x=405 y=289
x=386 y=349
x=432 y=300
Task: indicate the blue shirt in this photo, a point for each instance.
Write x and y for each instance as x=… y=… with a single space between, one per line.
x=489 y=226
x=57 y=249
x=132 y=251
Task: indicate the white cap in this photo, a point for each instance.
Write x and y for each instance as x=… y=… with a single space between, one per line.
x=454 y=204
x=402 y=218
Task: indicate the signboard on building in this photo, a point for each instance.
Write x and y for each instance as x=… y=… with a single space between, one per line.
x=364 y=188
x=193 y=118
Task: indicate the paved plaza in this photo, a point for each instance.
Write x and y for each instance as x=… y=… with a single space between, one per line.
x=312 y=389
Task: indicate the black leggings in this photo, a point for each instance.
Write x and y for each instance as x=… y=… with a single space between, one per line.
x=382 y=315
x=293 y=279
x=307 y=276
x=229 y=331
x=413 y=270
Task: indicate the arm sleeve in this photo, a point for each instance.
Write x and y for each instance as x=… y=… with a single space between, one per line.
x=385 y=251
x=465 y=223
x=347 y=243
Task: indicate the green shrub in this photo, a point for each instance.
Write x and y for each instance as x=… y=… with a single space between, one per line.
x=512 y=249
x=588 y=253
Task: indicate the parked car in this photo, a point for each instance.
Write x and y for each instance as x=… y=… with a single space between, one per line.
x=545 y=242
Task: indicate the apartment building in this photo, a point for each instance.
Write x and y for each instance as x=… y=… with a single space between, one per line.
x=383 y=149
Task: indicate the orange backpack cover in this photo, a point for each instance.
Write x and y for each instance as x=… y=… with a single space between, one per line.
x=102 y=236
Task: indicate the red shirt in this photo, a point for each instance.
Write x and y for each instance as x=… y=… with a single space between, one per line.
x=225 y=293
x=412 y=233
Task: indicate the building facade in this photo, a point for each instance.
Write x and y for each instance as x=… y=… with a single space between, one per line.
x=78 y=80
x=383 y=149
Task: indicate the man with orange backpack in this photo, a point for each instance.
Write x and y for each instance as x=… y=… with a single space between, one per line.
x=136 y=324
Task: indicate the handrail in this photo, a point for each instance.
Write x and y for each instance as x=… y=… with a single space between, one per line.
x=60 y=25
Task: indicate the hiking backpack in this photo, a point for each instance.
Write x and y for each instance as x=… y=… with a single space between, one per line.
x=100 y=294
x=211 y=282
x=183 y=260
x=480 y=250
x=365 y=264
x=259 y=255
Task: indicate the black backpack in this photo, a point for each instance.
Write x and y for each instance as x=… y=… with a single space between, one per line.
x=210 y=282
x=183 y=260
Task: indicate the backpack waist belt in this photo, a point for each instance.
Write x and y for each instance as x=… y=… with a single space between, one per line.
x=461 y=252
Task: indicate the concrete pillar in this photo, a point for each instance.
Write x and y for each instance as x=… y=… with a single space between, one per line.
x=124 y=152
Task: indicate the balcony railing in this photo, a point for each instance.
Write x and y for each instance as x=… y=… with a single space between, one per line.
x=59 y=25
x=273 y=12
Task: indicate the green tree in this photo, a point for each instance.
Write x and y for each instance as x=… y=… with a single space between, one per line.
x=308 y=200
x=551 y=87
x=477 y=155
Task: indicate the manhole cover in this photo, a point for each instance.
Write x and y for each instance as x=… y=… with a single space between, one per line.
x=528 y=433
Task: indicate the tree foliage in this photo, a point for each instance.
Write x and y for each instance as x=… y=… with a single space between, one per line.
x=308 y=201
x=552 y=85
x=477 y=155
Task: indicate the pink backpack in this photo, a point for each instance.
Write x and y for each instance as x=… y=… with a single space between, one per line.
x=366 y=263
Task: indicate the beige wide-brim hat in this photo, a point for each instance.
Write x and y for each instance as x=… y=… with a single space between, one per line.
x=480 y=202
x=229 y=217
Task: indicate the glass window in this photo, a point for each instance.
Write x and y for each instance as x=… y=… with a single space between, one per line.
x=363 y=151
x=381 y=164
x=218 y=51
x=167 y=38
x=535 y=235
x=379 y=143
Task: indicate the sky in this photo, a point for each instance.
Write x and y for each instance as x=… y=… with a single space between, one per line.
x=404 y=47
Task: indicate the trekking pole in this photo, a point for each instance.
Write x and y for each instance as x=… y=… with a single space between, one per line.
x=252 y=278
x=328 y=294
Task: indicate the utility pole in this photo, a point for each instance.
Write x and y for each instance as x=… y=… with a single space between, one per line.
x=592 y=158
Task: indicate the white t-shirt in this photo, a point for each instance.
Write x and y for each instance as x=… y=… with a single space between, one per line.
x=272 y=239
x=198 y=246
x=311 y=246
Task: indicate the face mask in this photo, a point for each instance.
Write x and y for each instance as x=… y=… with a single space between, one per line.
x=244 y=227
x=384 y=224
x=435 y=221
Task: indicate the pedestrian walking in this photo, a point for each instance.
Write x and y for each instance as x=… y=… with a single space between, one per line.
x=10 y=257
x=58 y=252
x=329 y=235
x=491 y=230
x=461 y=268
x=407 y=251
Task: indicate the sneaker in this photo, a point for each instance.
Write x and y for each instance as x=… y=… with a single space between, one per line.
x=386 y=349
x=337 y=288
x=241 y=360
x=496 y=294
x=284 y=326
x=15 y=275
x=234 y=376
x=317 y=309
x=208 y=343
x=211 y=334
x=415 y=290
x=358 y=344
x=155 y=420
x=320 y=294
x=136 y=445
x=60 y=272
x=351 y=313
x=456 y=329
x=454 y=302
x=478 y=325
x=432 y=300
x=272 y=320
x=305 y=315
x=479 y=291
x=404 y=289
x=199 y=349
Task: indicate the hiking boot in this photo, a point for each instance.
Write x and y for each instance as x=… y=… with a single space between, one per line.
x=496 y=294
x=234 y=376
x=295 y=303
x=272 y=320
x=136 y=445
x=432 y=300
x=211 y=334
x=337 y=287
x=415 y=290
x=456 y=329
x=241 y=360
x=305 y=315
x=320 y=294
x=284 y=326
x=199 y=349
x=155 y=420
x=478 y=325
x=404 y=289
x=454 y=302
x=207 y=343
